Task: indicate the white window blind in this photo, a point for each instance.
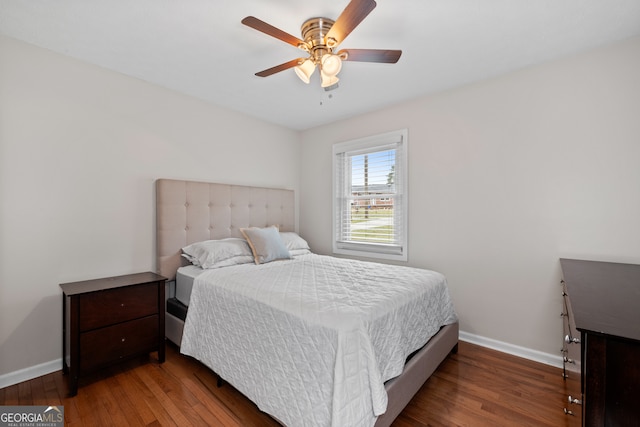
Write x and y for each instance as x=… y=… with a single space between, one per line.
x=370 y=196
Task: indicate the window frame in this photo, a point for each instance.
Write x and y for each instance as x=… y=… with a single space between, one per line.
x=373 y=143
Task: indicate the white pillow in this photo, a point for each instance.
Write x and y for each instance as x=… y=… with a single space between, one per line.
x=293 y=241
x=191 y=259
x=218 y=253
x=266 y=244
x=295 y=252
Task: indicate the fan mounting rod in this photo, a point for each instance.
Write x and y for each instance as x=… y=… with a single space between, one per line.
x=314 y=32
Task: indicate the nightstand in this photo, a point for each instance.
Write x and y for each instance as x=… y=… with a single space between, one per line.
x=108 y=320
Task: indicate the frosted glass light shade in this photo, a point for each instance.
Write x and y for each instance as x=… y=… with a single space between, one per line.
x=331 y=64
x=305 y=70
x=328 y=80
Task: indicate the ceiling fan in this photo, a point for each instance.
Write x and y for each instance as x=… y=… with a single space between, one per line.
x=320 y=38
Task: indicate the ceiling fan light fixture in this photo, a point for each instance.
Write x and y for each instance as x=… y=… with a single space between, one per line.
x=331 y=64
x=305 y=70
x=320 y=38
x=328 y=80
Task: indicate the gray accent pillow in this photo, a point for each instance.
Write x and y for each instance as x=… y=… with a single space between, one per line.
x=266 y=244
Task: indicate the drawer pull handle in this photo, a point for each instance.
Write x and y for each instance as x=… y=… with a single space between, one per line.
x=570 y=340
x=122 y=339
x=122 y=305
x=574 y=401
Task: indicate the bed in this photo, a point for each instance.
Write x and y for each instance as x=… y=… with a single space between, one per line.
x=336 y=372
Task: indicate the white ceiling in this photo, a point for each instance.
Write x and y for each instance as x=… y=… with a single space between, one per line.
x=200 y=48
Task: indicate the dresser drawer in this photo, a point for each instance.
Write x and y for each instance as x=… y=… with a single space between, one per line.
x=111 y=344
x=108 y=307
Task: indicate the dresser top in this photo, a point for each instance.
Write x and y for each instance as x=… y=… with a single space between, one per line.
x=94 y=285
x=605 y=296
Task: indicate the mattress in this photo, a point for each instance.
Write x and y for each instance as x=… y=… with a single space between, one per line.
x=312 y=340
x=184 y=282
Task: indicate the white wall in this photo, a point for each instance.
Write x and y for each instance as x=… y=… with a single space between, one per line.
x=80 y=148
x=505 y=177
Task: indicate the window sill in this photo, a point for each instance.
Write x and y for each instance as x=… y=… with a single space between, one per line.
x=371 y=251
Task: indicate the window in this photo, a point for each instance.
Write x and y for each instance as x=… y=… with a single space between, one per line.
x=370 y=196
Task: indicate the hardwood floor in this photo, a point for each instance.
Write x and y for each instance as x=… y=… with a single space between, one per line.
x=475 y=387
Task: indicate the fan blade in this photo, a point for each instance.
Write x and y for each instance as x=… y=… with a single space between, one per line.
x=281 y=67
x=351 y=16
x=371 y=55
x=256 y=24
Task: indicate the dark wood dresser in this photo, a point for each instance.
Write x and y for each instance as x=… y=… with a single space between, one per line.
x=605 y=305
x=109 y=320
x=571 y=363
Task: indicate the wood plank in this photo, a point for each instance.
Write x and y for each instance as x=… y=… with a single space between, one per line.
x=24 y=393
x=10 y=396
x=117 y=402
x=212 y=405
x=127 y=386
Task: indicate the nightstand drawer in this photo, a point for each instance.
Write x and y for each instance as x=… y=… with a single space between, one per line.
x=113 y=343
x=103 y=308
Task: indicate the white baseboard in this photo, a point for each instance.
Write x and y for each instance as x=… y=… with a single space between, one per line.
x=537 y=356
x=30 y=373
x=516 y=350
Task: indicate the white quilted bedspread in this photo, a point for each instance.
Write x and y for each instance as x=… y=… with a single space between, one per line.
x=312 y=340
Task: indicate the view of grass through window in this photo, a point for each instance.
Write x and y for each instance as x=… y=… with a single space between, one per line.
x=372 y=190
x=372 y=224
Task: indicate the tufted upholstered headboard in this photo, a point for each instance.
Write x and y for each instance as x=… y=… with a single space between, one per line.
x=189 y=211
